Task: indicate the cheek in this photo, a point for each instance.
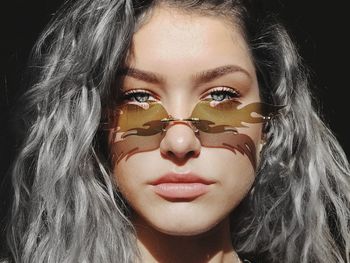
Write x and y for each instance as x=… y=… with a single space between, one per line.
x=128 y=177
x=237 y=173
x=234 y=172
x=254 y=131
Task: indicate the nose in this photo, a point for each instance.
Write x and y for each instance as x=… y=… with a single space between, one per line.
x=180 y=142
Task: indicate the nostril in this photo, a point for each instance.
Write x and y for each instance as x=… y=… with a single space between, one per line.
x=171 y=154
x=188 y=155
x=191 y=154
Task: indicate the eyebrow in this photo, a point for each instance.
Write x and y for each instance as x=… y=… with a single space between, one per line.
x=199 y=78
x=141 y=75
x=211 y=74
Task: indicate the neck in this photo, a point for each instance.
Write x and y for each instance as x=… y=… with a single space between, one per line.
x=213 y=246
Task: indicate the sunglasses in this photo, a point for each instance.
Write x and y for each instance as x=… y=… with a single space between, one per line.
x=141 y=127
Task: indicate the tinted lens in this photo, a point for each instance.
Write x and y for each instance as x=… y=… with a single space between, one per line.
x=214 y=117
x=222 y=116
x=214 y=120
x=141 y=120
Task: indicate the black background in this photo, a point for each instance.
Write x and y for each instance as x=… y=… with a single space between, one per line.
x=318 y=27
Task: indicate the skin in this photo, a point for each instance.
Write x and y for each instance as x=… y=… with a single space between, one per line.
x=175 y=47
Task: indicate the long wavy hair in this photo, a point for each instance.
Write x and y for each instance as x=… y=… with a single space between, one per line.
x=66 y=207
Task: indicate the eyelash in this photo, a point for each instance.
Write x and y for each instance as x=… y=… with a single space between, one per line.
x=228 y=93
x=131 y=95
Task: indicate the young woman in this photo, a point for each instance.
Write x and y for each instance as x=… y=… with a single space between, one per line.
x=175 y=131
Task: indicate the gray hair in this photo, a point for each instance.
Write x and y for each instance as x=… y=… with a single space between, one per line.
x=66 y=207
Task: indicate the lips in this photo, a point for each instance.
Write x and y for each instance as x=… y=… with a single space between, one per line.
x=181 y=186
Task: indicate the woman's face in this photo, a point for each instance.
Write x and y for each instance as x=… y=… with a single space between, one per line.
x=183 y=187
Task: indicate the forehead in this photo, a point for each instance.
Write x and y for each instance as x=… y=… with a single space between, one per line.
x=171 y=39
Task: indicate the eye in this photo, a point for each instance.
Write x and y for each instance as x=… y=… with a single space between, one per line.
x=222 y=94
x=140 y=96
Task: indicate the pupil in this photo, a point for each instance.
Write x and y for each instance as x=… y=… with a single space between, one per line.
x=142 y=97
x=218 y=96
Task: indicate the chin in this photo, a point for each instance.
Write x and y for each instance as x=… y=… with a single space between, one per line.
x=185 y=226
x=184 y=230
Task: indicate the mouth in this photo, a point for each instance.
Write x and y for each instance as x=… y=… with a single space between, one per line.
x=181 y=187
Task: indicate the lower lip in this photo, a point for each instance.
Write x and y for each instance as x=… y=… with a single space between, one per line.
x=181 y=190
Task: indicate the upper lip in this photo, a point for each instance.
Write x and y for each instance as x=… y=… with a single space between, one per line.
x=181 y=178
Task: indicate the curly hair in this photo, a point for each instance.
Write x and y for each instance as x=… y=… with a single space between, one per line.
x=66 y=207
